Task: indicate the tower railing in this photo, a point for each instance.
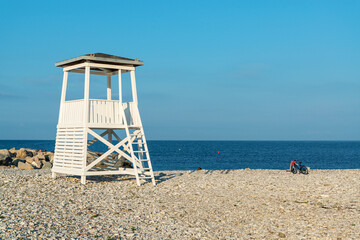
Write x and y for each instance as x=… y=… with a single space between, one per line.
x=101 y=113
x=73 y=112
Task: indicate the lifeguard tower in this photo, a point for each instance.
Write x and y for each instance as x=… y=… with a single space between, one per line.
x=80 y=120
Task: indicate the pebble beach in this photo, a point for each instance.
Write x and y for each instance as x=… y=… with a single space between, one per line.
x=223 y=204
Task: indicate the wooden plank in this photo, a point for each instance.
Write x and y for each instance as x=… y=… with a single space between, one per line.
x=67 y=170
x=70 y=137
x=91 y=72
x=78 y=129
x=118 y=172
x=73 y=141
x=72 y=146
x=80 y=65
x=116 y=72
x=108 y=66
x=70 y=154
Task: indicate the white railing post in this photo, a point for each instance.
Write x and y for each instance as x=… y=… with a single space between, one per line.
x=108 y=87
x=133 y=87
x=63 y=95
x=86 y=95
x=120 y=87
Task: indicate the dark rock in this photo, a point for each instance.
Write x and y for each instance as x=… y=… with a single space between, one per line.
x=5 y=160
x=29 y=153
x=16 y=161
x=49 y=156
x=13 y=152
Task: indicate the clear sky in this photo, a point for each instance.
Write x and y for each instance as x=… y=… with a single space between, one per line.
x=214 y=70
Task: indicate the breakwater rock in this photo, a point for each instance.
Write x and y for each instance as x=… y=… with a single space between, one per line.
x=27 y=158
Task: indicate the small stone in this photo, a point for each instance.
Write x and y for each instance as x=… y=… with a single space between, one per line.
x=282 y=235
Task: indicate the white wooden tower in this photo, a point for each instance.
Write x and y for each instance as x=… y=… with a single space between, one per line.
x=80 y=119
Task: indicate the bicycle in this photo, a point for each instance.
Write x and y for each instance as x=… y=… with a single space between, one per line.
x=299 y=168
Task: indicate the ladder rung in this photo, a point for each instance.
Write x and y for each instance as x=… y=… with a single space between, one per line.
x=140 y=151
x=145 y=177
x=144 y=160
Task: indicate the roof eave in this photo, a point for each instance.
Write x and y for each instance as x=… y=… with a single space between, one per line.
x=68 y=62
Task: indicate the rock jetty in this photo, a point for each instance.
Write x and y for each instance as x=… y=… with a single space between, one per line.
x=26 y=158
x=236 y=204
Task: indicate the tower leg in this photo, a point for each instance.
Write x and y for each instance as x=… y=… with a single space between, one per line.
x=53 y=175
x=137 y=179
x=83 y=179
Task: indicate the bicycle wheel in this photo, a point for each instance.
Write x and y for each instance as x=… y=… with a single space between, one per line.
x=293 y=170
x=304 y=170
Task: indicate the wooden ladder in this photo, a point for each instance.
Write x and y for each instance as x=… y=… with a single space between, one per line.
x=140 y=152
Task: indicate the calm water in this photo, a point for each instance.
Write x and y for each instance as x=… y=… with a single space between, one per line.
x=216 y=155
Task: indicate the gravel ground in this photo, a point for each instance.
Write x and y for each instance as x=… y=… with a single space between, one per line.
x=236 y=204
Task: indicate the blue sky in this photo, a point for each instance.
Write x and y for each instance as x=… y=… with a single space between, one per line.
x=229 y=70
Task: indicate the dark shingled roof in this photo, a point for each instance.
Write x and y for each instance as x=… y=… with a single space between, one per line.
x=100 y=58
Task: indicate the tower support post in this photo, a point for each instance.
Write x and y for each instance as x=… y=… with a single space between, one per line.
x=108 y=87
x=133 y=87
x=63 y=95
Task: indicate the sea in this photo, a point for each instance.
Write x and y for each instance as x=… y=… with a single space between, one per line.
x=223 y=155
